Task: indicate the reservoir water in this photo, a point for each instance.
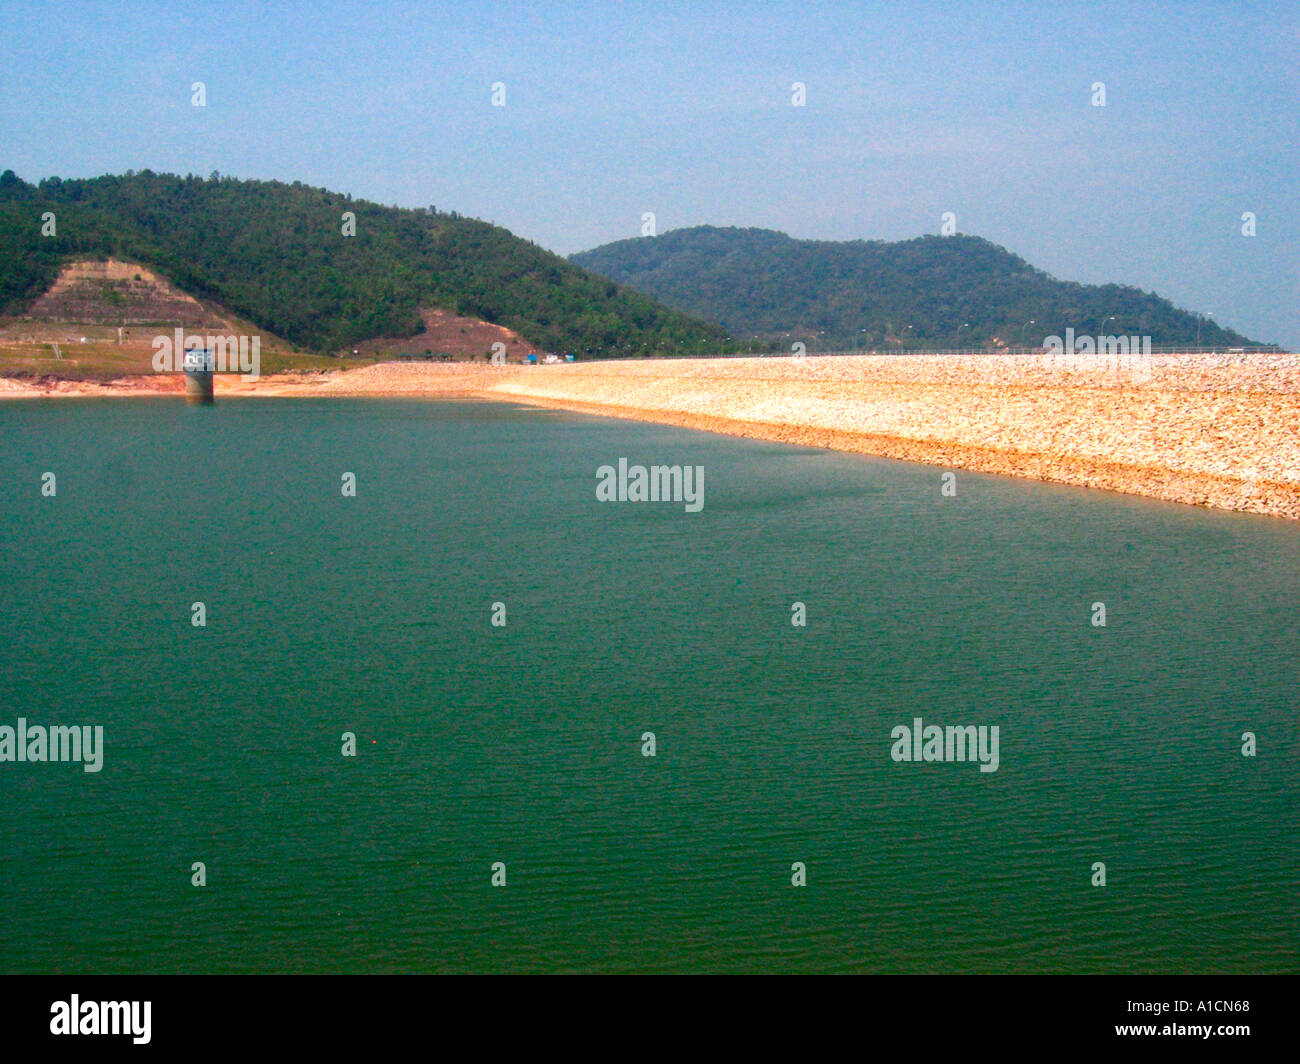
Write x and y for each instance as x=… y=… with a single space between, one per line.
x=523 y=743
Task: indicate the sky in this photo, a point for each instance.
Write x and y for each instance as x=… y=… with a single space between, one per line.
x=686 y=110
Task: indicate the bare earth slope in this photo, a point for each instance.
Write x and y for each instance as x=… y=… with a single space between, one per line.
x=119 y=293
x=93 y=330
x=445 y=332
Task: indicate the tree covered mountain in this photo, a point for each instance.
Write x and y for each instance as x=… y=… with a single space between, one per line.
x=955 y=291
x=276 y=255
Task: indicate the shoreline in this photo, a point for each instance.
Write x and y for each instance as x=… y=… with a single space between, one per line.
x=1275 y=500
x=1215 y=431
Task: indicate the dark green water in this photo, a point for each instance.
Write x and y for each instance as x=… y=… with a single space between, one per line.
x=522 y=745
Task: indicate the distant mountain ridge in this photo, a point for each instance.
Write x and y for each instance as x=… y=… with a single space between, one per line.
x=276 y=255
x=954 y=291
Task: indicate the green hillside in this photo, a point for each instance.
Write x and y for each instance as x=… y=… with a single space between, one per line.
x=275 y=255
x=956 y=291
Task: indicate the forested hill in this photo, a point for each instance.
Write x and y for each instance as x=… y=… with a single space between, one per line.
x=955 y=291
x=276 y=255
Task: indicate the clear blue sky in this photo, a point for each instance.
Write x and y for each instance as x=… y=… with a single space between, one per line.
x=684 y=109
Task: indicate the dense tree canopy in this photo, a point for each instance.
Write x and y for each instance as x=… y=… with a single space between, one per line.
x=276 y=255
x=956 y=291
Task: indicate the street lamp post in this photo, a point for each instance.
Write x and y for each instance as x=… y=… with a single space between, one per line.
x=1031 y=321
x=1199 y=317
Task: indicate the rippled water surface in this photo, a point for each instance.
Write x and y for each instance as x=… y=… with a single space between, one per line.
x=523 y=744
